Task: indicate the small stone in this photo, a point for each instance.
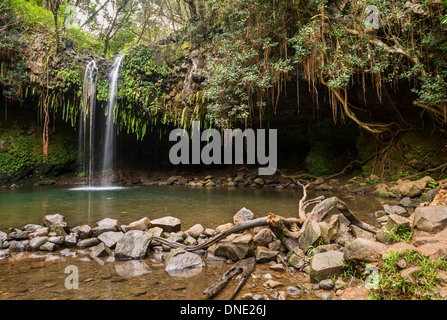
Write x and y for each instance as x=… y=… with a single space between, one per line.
x=339 y=284
x=272 y=284
x=224 y=227
x=261 y=297
x=323 y=295
x=327 y=284
x=401 y=264
x=195 y=231
x=278 y=267
x=32 y=227
x=178 y=260
x=293 y=291
x=405 y=202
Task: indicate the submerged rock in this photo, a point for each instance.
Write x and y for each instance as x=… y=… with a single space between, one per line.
x=132 y=268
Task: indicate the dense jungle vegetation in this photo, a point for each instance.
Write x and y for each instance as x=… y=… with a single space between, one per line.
x=372 y=72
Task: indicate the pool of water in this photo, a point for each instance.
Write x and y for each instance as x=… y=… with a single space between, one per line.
x=39 y=275
x=208 y=206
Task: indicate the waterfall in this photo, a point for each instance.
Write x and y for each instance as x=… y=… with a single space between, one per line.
x=110 y=131
x=86 y=132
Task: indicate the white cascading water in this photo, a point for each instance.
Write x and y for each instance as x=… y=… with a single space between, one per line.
x=87 y=120
x=110 y=130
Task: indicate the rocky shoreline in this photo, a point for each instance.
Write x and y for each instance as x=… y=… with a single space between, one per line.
x=326 y=248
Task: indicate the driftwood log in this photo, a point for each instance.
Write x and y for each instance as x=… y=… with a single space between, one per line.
x=288 y=230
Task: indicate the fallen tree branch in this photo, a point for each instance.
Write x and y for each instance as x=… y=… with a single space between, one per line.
x=237 y=228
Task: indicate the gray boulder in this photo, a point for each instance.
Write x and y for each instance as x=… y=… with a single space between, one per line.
x=363 y=250
x=141 y=224
x=168 y=224
x=235 y=247
x=195 y=231
x=101 y=229
x=18 y=246
x=3 y=236
x=84 y=232
x=326 y=265
x=87 y=243
x=431 y=219
x=263 y=254
x=35 y=243
x=179 y=260
x=110 y=238
x=18 y=235
x=49 y=246
x=310 y=236
x=242 y=215
x=132 y=245
x=71 y=240
x=54 y=219
x=263 y=237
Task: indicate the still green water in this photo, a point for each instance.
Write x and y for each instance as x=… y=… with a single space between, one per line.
x=39 y=275
x=207 y=206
